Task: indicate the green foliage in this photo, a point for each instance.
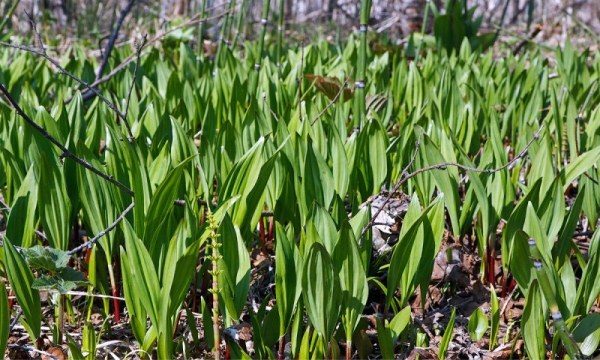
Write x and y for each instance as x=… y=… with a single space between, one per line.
x=268 y=145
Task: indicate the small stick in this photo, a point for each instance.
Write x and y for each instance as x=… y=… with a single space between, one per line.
x=102 y=233
x=14 y=322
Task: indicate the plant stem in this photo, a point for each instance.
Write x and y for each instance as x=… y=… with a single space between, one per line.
x=9 y=14
x=281 y=349
x=201 y=28
x=253 y=85
x=240 y=23
x=215 y=310
x=223 y=35
x=60 y=322
x=423 y=29
x=360 y=97
x=215 y=257
x=115 y=293
x=280 y=32
x=348 y=350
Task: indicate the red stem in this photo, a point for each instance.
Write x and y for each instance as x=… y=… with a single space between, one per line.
x=261 y=232
x=271 y=229
x=491 y=266
x=281 y=350
x=115 y=294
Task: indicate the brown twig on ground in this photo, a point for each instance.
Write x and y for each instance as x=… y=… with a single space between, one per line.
x=102 y=233
x=66 y=153
x=14 y=321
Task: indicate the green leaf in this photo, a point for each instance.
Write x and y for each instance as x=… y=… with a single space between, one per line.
x=399 y=322
x=234 y=278
x=588 y=325
x=580 y=165
x=287 y=279
x=353 y=280
x=143 y=274
x=321 y=290
x=20 y=226
x=478 y=324
x=21 y=281
x=46 y=258
x=533 y=327
x=494 y=318
x=4 y=318
x=447 y=337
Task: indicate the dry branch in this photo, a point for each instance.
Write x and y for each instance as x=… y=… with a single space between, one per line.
x=407 y=176
x=66 y=153
x=101 y=234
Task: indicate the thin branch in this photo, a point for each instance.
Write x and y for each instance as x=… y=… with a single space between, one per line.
x=508 y=165
x=195 y=20
x=330 y=104
x=65 y=152
x=407 y=176
x=64 y=71
x=14 y=321
x=101 y=234
x=111 y=41
x=99 y=296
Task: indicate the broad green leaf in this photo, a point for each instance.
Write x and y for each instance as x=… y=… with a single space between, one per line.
x=533 y=323
x=494 y=318
x=287 y=279
x=353 y=280
x=580 y=165
x=321 y=287
x=20 y=226
x=4 y=318
x=21 y=281
x=478 y=324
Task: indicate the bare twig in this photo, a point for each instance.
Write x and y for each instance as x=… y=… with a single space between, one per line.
x=111 y=42
x=407 y=176
x=330 y=104
x=100 y=296
x=14 y=321
x=65 y=152
x=193 y=21
x=101 y=234
x=62 y=70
